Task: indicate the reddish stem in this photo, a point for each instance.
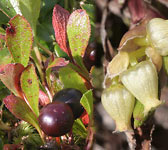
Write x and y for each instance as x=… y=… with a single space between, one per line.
x=90 y=139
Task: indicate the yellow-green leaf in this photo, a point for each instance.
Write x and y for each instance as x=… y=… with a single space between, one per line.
x=30 y=9
x=19 y=39
x=30 y=87
x=78 y=31
x=71 y=79
x=87 y=102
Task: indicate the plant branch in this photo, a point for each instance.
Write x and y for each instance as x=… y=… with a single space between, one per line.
x=131 y=139
x=5 y=13
x=90 y=133
x=38 y=62
x=41 y=134
x=90 y=139
x=143 y=135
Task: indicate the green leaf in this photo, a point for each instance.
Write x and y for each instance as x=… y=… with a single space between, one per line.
x=56 y=62
x=4 y=19
x=138 y=114
x=71 y=79
x=47 y=8
x=87 y=103
x=79 y=129
x=45 y=29
x=59 y=52
x=2 y=86
x=30 y=9
x=6 y=7
x=10 y=76
x=83 y=73
x=90 y=9
x=30 y=87
x=5 y=56
x=79 y=61
x=44 y=32
x=78 y=31
x=3 y=91
x=19 y=108
x=19 y=39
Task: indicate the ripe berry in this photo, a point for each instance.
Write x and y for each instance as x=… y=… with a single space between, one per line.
x=71 y=97
x=56 y=119
x=90 y=56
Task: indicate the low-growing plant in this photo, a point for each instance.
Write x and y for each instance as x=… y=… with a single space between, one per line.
x=42 y=51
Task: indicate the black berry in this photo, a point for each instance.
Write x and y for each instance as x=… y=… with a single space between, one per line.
x=71 y=97
x=89 y=58
x=56 y=119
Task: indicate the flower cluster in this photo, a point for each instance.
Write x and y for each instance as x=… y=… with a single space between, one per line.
x=131 y=82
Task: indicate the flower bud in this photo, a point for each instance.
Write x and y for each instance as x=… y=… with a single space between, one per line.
x=119 y=103
x=142 y=82
x=157 y=34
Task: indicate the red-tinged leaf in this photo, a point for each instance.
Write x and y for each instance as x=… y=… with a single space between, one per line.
x=19 y=108
x=10 y=76
x=43 y=98
x=78 y=31
x=11 y=146
x=85 y=118
x=30 y=88
x=19 y=39
x=142 y=11
x=59 y=21
x=58 y=62
x=55 y=64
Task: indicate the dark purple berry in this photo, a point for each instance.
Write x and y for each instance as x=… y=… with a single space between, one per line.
x=71 y=97
x=56 y=119
x=89 y=58
x=92 y=55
